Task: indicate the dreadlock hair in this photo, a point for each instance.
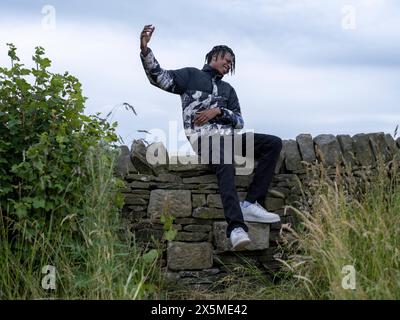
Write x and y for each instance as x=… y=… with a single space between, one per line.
x=221 y=50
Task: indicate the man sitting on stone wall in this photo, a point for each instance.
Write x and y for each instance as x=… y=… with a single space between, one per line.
x=211 y=112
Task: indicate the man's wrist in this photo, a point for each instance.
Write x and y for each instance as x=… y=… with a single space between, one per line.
x=144 y=51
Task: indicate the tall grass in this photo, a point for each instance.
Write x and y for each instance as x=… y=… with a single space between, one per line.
x=350 y=217
x=354 y=220
x=94 y=257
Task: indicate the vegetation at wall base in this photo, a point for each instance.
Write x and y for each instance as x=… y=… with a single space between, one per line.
x=59 y=199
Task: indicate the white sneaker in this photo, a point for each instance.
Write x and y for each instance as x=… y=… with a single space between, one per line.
x=239 y=239
x=256 y=213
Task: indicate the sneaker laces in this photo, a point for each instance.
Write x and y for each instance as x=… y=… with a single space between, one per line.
x=260 y=208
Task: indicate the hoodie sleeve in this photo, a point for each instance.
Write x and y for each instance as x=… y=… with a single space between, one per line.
x=231 y=113
x=174 y=81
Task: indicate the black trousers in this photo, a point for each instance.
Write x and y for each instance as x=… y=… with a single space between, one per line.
x=219 y=151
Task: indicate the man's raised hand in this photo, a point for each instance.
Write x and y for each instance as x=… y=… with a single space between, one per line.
x=145 y=37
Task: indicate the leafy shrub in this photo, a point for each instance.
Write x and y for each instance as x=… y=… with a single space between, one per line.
x=44 y=139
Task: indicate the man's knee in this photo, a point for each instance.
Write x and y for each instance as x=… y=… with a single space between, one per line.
x=272 y=142
x=277 y=144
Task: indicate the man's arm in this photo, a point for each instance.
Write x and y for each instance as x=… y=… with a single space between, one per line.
x=232 y=114
x=174 y=81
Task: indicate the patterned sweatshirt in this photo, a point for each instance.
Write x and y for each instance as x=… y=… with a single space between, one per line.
x=199 y=90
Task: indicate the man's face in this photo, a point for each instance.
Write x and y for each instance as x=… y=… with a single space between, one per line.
x=222 y=65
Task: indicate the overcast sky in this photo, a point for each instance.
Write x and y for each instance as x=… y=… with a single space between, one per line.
x=303 y=66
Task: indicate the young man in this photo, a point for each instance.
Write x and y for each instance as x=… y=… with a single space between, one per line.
x=211 y=109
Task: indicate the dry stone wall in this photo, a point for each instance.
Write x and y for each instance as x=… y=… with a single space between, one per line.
x=200 y=252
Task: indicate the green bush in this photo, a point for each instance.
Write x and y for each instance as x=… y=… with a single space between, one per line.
x=60 y=203
x=44 y=139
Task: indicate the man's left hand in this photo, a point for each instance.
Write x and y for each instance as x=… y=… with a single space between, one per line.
x=203 y=117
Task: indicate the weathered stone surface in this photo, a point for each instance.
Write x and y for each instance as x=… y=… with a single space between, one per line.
x=138 y=157
x=197 y=228
x=168 y=177
x=346 y=145
x=199 y=187
x=134 y=215
x=243 y=181
x=272 y=204
x=198 y=200
x=327 y=149
x=283 y=177
x=398 y=142
x=278 y=192
x=124 y=164
x=211 y=178
x=191 y=236
x=292 y=155
x=189 y=256
x=137 y=208
x=391 y=143
x=203 y=187
x=147 y=234
x=141 y=185
x=140 y=177
x=279 y=164
x=201 y=191
x=163 y=177
x=189 y=163
x=154 y=225
x=362 y=149
x=157 y=156
x=133 y=199
x=306 y=147
x=208 y=213
x=379 y=146
x=186 y=221
x=214 y=200
x=199 y=274
x=174 y=202
x=171 y=278
x=258 y=234
x=227 y=258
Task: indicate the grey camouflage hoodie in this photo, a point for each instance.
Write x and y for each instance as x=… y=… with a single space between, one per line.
x=199 y=90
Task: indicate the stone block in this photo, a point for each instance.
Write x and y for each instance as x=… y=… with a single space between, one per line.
x=362 y=150
x=197 y=228
x=327 y=149
x=198 y=200
x=208 y=213
x=292 y=155
x=272 y=204
x=258 y=234
x=173 y=202
x=211 y=178
x=306 y=147
x=138 y=157
x=189 y=256
x=346 y=145
x=191 y=236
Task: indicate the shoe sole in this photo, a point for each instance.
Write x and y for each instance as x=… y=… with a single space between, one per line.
x=262 y=221
x=241 y=245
